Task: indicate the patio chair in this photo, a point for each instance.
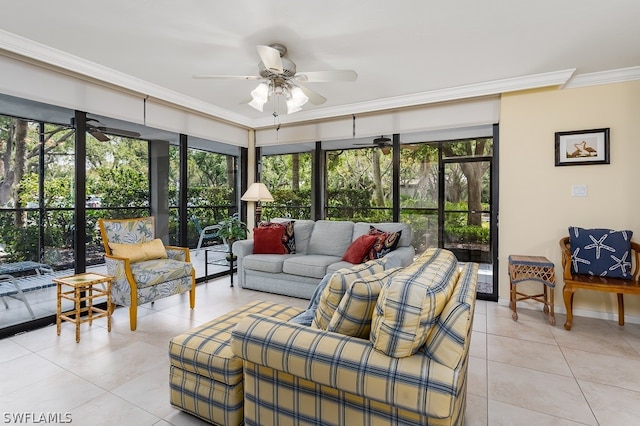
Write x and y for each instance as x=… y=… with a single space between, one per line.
x=145 y=270
x=205 y=234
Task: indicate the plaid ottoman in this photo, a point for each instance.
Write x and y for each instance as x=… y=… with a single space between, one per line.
x=205 y=375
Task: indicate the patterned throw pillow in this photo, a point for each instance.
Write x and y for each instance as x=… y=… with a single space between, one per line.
x=386 y=242
x=337 y=287
x=600 y=252
x=409 y=306
x=288 y=237
x=353 y=315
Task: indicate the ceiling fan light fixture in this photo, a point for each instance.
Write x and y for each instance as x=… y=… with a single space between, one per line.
x=296 y=100
x=260 y=96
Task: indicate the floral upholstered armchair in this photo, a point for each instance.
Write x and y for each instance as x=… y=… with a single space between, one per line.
x=144 y=268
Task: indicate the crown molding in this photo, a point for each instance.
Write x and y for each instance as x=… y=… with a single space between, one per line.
x=555 y=78
x=603 y=77
x=50 y=56
x=44 y=55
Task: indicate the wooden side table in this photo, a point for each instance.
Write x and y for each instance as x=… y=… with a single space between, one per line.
x=83 y=290
x=532 y=268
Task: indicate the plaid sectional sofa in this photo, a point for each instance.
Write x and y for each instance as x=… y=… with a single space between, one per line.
x=385 y=347
x=411 y=370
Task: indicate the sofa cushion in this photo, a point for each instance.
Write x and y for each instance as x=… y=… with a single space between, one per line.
x=308 y=265
x=158 y=271
x=330 y=237
x=409 y=306
x=205 y=350
x=353 y=315
x=265 y=262
x=601 y=252
x=288 y=238
x=336 y=288
x=302 y=229
x=448 y=340
x=359 y=249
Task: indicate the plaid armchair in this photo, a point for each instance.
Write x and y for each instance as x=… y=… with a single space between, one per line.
x=144 y=269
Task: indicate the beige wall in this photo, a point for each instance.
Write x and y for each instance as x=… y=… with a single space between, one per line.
x=536 y=205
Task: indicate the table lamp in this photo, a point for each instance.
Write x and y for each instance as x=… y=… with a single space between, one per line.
x=257 y=192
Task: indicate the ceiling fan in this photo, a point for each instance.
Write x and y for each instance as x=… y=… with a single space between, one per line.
x=279 y=77
x=385 y=145
x=381 y=142
x=99 y=132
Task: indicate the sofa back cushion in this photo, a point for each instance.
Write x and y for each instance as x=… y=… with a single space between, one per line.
x=409 y=305
x=362 y=228
x=448 y=341
x=337 y=287
x=330 y=238
x=353 y=315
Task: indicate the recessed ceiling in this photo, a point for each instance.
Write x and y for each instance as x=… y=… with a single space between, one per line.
x=399 y=49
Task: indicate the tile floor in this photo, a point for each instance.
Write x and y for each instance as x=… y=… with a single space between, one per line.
x=524 y=373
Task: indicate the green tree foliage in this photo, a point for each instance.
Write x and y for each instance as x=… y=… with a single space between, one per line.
x=288 y=178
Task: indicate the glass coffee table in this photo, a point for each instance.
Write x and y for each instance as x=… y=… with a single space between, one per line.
x=218 y=255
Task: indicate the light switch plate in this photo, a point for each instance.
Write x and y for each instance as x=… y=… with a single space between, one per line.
x=579 y=191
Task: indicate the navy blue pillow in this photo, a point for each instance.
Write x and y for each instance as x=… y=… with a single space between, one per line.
x=601 y=252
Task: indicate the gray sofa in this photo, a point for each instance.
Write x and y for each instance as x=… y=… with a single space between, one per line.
x=320 y=246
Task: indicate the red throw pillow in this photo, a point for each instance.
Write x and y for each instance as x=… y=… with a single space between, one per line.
x=359 y=248
x=288 y=237
x=268 y=240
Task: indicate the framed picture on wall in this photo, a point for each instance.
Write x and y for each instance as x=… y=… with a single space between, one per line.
x=582 y=147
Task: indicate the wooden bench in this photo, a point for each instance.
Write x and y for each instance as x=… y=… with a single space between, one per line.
x=620 y=286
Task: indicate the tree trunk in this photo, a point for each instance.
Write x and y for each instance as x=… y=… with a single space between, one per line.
x=295 y=172
x=377 y=178
x=231 y=171
x=473 y=171
x=20 y=160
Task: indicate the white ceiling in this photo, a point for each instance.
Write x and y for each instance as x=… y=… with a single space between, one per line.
x=404 y=51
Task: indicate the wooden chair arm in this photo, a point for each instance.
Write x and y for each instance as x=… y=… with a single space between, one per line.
x=565 y=247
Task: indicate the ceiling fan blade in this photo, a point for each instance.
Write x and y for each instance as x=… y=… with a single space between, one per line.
x=116 y=132
x=99 y=135
x=314 y=98
x=327 y=76
x=236 y=77
x=270 y=58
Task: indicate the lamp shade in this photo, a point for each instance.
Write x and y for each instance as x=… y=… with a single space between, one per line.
x=257 y=192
